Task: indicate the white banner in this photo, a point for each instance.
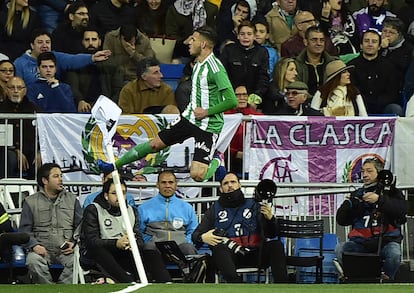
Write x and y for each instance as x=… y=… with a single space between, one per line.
x=404 y=151
x=75 y=142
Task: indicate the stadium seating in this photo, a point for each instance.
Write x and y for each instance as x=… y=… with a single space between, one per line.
x=172 y=74
x=312 y=229
x=310 y=247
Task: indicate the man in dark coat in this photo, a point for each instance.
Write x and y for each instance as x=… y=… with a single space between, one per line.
x=27 y=153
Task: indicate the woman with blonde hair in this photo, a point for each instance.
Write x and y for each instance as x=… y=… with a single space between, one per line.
x=283 y=74
x=338 y=96
x=16 y=25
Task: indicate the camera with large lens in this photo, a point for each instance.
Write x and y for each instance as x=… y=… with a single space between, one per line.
x=385 y=180
x=231 y=244
x=265 y=191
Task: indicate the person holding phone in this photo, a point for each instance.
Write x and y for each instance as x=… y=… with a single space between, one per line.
x=50 y=217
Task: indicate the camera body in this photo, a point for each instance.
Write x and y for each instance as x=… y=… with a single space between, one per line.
x=231 y=244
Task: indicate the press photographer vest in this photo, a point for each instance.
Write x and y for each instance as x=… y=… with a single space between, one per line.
x=241 y=223
x=112 y=227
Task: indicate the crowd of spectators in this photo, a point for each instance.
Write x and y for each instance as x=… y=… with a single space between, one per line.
x=286 y=57
x=104 y=47
x=123 y=28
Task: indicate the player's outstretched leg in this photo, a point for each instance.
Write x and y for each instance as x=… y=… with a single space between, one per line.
x=216 y=165
x=133 y=154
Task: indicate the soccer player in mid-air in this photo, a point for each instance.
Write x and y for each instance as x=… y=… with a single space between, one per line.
x=211 y=95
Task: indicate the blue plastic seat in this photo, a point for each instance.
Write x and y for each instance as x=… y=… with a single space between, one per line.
x=172 y=74
x=329 y=243
x=310 y=246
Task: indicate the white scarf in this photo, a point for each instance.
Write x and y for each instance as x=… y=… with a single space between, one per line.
x=194 y=8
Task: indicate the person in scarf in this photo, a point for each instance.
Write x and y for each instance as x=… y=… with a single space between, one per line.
x=185 y=16
x=395 y=48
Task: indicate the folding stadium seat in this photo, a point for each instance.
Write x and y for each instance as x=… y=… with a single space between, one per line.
x=298 y=230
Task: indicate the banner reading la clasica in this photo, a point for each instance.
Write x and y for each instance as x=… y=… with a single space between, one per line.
x=317 y=149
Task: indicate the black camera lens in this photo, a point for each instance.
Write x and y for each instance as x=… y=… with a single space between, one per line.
x=265 y=190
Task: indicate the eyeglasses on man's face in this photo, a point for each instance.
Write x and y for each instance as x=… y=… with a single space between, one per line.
x=294 y=93
x=16 y=88
x=7 y=70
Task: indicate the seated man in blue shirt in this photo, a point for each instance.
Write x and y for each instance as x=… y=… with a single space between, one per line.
x=166 y=217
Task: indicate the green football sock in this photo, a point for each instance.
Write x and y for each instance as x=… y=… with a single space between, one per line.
x=138 y=152
x=214 y=164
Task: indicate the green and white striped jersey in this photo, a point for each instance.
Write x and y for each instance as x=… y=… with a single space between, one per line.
x=209 y=79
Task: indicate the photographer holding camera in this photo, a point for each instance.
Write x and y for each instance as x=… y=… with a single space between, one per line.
x=237 y=230
x=376 y=212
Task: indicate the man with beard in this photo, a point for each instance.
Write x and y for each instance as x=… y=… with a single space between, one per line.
x=236 y=228
x=371 y=17
x=50 y=217
x=96 y=79
x=68 y=35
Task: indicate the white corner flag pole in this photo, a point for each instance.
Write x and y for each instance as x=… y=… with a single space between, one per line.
x=128 y=225
x=106 y=114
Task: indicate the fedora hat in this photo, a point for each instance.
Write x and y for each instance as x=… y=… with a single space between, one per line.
x=334 y=68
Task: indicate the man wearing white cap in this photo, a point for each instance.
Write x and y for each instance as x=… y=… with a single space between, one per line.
x=296 y=101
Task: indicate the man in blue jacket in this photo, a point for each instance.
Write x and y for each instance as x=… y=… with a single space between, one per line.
x=26 y=65
x=166 y=217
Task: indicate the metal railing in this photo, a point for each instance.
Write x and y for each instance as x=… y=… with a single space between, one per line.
x=323 y=196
